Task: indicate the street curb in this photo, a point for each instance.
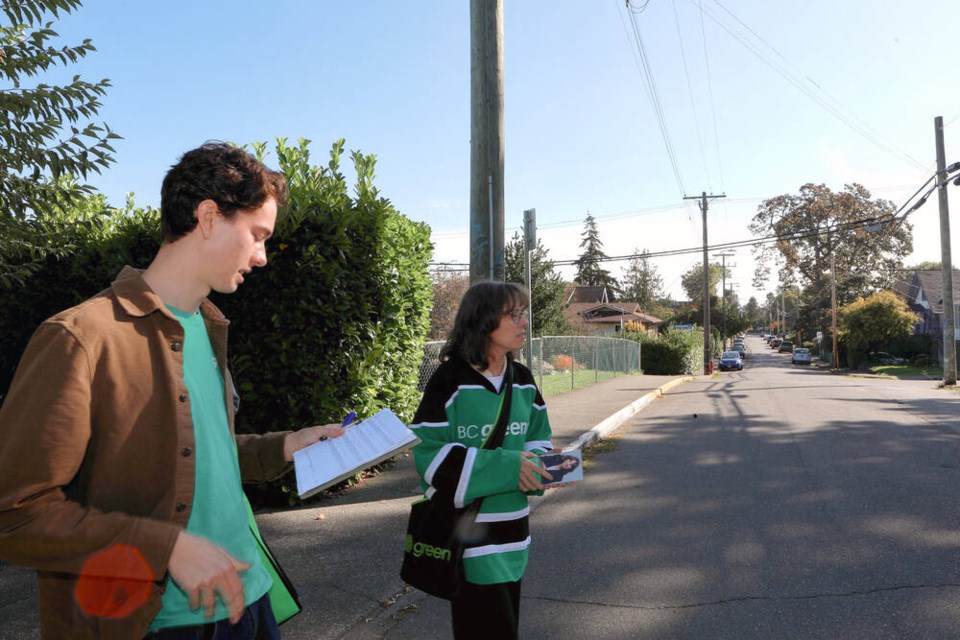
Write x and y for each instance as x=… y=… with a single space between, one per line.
x=613 y=422
x=407 y=602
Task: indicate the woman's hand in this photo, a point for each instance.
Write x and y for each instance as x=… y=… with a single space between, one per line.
x=529 y=472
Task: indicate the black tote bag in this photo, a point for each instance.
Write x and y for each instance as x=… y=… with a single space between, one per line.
x=438 y=532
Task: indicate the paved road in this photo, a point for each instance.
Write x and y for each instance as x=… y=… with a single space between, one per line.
x=344 y=553
x=777 y=502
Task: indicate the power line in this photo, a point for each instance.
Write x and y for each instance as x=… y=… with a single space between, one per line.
x=844 y=114
x=693 y=104
x=651 y=87
x=769 y=239
x=713 y=110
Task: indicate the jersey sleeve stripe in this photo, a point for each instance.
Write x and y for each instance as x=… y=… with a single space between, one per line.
x=488 y=549
x=503 y=517
x=431 y=425
x=545 y=445
x=461 y=493
x=438 y=460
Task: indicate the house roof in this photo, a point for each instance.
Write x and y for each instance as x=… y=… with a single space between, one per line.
x=577 y=294
x=609 y=313
x=927 y=286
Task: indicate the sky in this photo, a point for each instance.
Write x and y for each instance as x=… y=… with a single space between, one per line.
x=756 y=98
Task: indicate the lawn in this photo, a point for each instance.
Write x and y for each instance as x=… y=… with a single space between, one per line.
x=562 y=382
x=905 y=370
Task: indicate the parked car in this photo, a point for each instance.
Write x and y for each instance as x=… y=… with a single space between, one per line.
x=741 y=349
x=730 y=360
x=801 y=355
x=785 y=347
x=774 y=343
x=883 y=357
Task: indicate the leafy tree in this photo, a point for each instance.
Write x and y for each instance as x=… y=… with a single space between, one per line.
x=869 y=323
x=752 y=313
x=927 y=265
x=547 y=294
x=692 y=281
x=817 y=223
x=45 y=131
x=448 y=289
x=589 y=271
x=641 y=282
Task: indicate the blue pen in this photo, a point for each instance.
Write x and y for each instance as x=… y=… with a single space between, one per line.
x=350 y=418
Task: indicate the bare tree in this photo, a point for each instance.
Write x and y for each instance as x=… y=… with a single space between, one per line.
x=448 y=289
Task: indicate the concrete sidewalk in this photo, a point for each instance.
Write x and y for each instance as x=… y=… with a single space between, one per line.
x=344 y=554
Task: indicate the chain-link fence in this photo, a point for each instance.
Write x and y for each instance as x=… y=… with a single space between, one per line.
x=562 y=363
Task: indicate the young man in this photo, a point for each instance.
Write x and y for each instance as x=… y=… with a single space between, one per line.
x=121 y=472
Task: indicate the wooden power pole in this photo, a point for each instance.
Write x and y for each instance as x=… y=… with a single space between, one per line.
x=486 y=140
x=707 y=352
x=949 y=321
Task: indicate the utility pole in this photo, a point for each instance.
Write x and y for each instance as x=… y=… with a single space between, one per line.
x=707 y=359
x=486 y=140
x=783 y=312
x=949 y=321
x=723 y=261
x=833 y=305
x=529 y=244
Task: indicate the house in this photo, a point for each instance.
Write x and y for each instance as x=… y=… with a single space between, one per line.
x=588 y=311
x=923 y=293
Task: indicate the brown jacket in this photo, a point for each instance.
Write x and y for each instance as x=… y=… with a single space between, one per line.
x=96 y=448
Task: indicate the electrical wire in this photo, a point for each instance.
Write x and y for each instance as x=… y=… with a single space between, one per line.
x=650 y=85
x=841 y=113
x=902 y=212
x=693 y=103
x=713 y=109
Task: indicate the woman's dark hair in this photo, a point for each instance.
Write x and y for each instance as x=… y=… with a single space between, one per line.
x=216 y=171
x=576 y=461
x=479 y=315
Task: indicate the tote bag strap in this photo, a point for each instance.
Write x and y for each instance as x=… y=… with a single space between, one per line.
x=503 y=416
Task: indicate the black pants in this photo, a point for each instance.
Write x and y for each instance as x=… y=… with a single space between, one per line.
x=485 y=611
x=257 y=623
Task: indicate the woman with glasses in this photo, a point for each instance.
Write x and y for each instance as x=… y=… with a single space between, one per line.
x=457 y=413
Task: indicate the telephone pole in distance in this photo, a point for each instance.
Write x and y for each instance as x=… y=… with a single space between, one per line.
x=704 y=205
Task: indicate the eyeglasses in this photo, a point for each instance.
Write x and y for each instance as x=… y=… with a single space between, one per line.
x=519 y=316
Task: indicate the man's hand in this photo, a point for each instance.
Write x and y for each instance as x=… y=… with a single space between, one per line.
x=205 y=571
x=297 y=440
x=528 y=480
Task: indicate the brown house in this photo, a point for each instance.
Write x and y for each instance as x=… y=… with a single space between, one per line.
x=588 y=311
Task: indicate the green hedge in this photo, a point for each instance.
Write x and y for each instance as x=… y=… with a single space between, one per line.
x=336 y=320
x=674 y=353
x=92 y=243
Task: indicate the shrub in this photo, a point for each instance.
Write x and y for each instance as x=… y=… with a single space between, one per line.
x=335 y=322
x=674 y=353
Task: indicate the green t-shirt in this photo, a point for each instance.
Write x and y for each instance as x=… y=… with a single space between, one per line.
x=218 y=513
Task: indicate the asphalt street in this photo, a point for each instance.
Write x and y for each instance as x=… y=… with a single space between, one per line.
x=777 y=502
x=780 y=502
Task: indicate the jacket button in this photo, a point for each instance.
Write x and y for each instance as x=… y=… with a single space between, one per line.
x=186 y=451
x=183 y=397
x=181 y=506
x=176 y=346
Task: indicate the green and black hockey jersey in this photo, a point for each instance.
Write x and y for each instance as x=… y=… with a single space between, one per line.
x=455 y=416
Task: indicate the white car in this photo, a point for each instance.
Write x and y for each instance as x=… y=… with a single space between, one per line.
x=801 y=355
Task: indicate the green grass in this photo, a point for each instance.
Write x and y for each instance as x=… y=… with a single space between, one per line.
x=901 y=370
x=561 y=382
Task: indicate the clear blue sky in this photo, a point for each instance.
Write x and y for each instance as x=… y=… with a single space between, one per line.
x=393 y=78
